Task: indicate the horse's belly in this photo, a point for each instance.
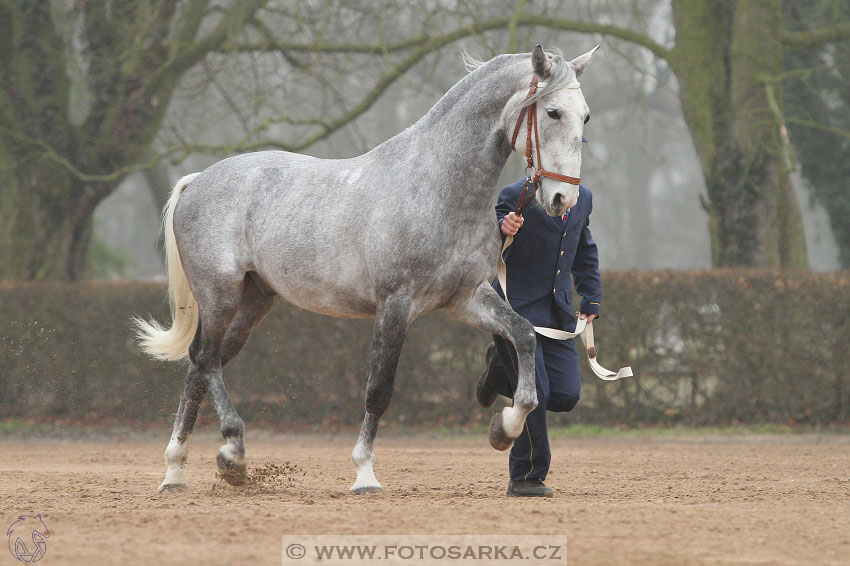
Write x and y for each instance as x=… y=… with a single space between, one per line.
x=326 y=292
x=333 y=302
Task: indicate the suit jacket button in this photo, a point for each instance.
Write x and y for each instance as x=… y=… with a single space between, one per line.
x=558 y=272
x=562 y=252
x=554 y=290
x=565 y=234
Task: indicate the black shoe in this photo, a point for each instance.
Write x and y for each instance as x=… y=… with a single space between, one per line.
x=530 y=488
x=491 y=379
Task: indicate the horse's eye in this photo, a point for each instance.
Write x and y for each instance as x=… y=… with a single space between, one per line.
x=554 y=114
x=587 y=119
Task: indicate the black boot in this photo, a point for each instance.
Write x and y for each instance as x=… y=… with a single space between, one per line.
x=491 y=379
x=530 y=488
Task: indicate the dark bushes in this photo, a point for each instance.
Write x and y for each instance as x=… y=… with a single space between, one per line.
x=716 y=348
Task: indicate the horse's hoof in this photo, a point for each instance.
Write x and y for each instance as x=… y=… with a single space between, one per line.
x=231 y=472
x=499 y=438
x=172 y=487
x=366 y=489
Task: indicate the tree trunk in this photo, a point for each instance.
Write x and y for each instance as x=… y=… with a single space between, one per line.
x=724 y=53
x=55 y=169
x=45 y=224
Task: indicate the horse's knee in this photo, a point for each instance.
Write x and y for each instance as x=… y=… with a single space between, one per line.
x=562 y=402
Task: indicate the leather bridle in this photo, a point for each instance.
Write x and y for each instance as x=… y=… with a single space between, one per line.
x=530 y=113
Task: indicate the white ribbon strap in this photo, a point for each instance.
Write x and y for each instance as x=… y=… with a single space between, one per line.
x=584 y=328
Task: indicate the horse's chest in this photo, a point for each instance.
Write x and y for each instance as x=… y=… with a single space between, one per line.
x=466 y=261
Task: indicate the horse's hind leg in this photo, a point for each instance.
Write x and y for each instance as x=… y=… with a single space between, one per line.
x=217 y=306
x=391 y=323
x=253 y=306
x=486 y=310
x=178 y=448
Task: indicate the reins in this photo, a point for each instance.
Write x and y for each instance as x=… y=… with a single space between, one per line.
x=584 y=328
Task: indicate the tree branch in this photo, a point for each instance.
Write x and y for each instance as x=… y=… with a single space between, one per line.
x=818 y=126
x=272 y=44
x=813 y=38
x=329 y=127
x=613 y=31
x=518 y=9
x=52 y=154
x=186 y=55
x=773 y=104
x=474 y=29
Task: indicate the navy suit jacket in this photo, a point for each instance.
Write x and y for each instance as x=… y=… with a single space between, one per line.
x=544 y=253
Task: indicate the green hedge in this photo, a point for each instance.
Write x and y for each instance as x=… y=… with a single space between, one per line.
x=719 y=348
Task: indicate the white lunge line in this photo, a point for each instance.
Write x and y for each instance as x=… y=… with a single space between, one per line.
x=584 y=328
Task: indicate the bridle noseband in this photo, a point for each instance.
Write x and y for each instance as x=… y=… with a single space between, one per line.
x=527 y=196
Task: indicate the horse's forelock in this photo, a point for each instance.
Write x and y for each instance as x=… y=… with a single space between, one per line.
x=560 y=75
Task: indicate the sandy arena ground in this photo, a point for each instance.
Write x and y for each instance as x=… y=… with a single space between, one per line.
x=651 y=500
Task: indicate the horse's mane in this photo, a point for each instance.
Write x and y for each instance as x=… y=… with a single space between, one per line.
x=561 y=75
x=501 y=76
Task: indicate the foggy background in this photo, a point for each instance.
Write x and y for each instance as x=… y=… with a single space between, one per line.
x=640 y=161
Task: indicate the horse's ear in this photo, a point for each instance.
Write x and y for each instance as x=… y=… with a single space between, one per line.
x=540 y=61
x=582 y=62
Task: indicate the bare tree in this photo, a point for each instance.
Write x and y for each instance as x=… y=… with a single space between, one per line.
x=56 y=165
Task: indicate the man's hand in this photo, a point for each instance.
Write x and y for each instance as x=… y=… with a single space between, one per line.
x=589 y=317
x=511 y=224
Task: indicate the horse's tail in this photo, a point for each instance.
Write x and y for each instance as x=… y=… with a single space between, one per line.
x=172 y=343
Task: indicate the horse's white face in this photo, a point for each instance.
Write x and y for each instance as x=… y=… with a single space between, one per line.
x=561 y=116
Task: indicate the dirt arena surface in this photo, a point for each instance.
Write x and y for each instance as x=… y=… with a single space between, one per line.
x=654 y=500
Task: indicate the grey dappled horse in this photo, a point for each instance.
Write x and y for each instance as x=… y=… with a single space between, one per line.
x=407 y=228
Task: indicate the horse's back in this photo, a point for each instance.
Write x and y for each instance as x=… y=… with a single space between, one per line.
x=273 y=213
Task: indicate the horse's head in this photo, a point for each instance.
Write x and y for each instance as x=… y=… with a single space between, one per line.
x=561 y=116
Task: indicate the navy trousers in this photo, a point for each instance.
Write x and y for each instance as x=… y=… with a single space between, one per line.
x=558 y=390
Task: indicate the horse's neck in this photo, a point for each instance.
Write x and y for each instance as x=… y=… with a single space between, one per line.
x=463 y=140
x=470 y=155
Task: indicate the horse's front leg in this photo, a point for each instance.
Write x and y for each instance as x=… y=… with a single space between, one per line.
x=391 y=323
x=486 y=310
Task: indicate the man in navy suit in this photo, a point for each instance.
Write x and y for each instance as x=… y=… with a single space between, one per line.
x=544 y=253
